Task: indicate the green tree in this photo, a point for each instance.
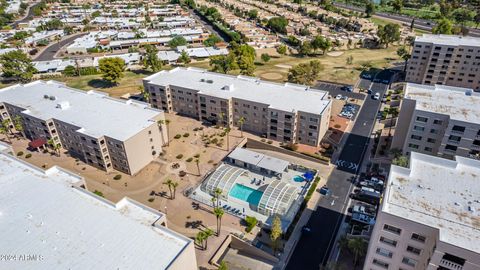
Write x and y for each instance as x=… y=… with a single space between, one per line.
x=208 y=233
x=18 y=124
x=212 y=40
x=397 y=5
x=172 y=186
x=445 y=8
x=404 y=53
x=57 y=148
x=282 y=49
x=444 y=26
x=401 y=161
x=112 y=69
x=222 y=266
x=184 y=58
x=358 y=246
x=389 y=33
x=252 y=14
x=276 y=232
x=265 y=57
x=177 y=41
x=151 y=60
x=369 y=9
x=223 y=63
x=463 y=15
x=305 y=73
x=200 y=239
x=245 y=59
x=278 y=24
x=218 y=214
x=241 y=121
x=95 y=14
x=70 y=71
x=17 y=65
x=321 y=43
x=306 y=48
x=4 y=131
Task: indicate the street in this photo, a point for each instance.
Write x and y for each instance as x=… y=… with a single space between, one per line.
x=314 y=249
x=52 y=49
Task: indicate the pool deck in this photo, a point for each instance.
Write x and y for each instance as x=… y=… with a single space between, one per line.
x=246 y=179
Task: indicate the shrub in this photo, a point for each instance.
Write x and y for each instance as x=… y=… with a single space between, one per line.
x=196 y=156
x=182 y=173
x=185 y=135
x=337 y=126
x=290 y=146
x=262 y=140
x=195 y=129
x=200 y=128
x=151 y=199
x=189 y=159
x=19 y=154
x=179 y=156
x=99 y=193
x=269 y=141
x=178 y=136
x=28 y=155
x=251 y=223
x=117 y=177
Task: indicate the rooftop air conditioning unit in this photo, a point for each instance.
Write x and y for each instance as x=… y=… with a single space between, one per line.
x=53 y=98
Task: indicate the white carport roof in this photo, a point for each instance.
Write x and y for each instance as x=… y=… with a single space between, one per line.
x=259 y=160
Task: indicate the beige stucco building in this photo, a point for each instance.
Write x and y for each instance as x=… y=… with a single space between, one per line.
x=439 y=120
x=445 y=59
x=428 y=218
x=49 y=221
x=104 y=132
x=288 y=113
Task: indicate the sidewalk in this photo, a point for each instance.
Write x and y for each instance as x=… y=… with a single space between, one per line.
x=297 y=232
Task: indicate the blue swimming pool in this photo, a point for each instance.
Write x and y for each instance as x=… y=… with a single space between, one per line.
x=298 y=178
x=246 y=194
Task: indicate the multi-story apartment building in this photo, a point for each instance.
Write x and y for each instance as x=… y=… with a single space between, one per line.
x=103 y=132
x=428 y=219
x=439 y=120
x=445 y=59
x=50 y=222
x=288 y=113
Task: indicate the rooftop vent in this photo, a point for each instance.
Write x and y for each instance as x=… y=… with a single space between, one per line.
x=52 y=98
x=468 y=92
x=228 y=87
x=63 y=105
x=471 y=209
x=46 y=96
x=202 y=80
x=209 y=81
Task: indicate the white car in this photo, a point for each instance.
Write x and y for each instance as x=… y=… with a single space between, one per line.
x=338 y=97
x=376 y=96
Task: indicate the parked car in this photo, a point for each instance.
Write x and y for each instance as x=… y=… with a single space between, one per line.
x=338 y=97
x=376 y=96
x=324 y=190
x=347 y=88
x=366 y=76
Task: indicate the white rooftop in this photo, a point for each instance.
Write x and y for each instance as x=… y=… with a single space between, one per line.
x=95 y=113
x=41 y=213
x=460 y=103
x=286 y=97
x=439 y=193
x=260 y=160
x=450 y=40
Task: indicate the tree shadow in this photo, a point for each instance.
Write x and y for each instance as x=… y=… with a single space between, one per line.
x=198 y=206
x=100 y=83
x=195 y=224
x=141 y=72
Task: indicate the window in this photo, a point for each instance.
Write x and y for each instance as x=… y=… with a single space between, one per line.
x=453 y=138
x=387 y=241
x=414 y=250
x=431 y=140
x=433 y=131
x=392 y=229
x=312 y=127
x=476 y=142
x=422 y=119
x=380 y=263
x=418 y=237
x=409 y=261
x=416 y=137
x=458 y=129
x=437 y=122
x=450 y=147
x=413 y=146
x=384 y=252
x=418 y=128
x=428 y=149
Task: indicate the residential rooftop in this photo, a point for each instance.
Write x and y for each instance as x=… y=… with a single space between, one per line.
x=286 y=97
x=439 y=193
x=460 y=103
x=45 y=213
x=449 y=40
x=95 y=113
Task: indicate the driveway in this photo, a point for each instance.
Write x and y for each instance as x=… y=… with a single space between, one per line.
x=336 y=89
x=49 y=52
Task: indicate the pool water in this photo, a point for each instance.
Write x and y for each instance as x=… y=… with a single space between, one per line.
x=298 y=178
x=244 y=193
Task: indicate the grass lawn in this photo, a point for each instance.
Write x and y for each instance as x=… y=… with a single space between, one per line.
x=128 y=84
x=335 y=67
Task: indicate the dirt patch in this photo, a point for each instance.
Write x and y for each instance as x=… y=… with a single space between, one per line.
x=334 y=54
x=271 y=76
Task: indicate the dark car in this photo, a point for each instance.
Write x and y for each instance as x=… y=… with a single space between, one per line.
x=347 y=88
x=324 y=190
x=366 y=76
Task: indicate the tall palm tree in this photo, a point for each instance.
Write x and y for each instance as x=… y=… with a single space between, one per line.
x=169 y=183
x=200 y=239
x=208 y=232
x=241 y=121
x=218 y=214
x=174 y=188
x=165 y=122
x=217 y=193
x=359 y=247
x=227 y=132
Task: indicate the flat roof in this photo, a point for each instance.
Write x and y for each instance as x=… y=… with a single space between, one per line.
x=439 y=193
x=260 y=160
x=450 y=40
x=95 y=113
x=460 y=103
x=286 y=97
x=44 y=213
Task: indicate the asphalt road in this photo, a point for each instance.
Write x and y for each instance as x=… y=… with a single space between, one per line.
x=26 y=18
x=313 y=248
x=208 y=25
x=336 y=89
x=51 y=50
x=419 y=23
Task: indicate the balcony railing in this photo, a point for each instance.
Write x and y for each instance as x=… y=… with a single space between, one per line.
x=450 y=264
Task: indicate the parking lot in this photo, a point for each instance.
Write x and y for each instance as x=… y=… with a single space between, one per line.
x=349 y=111
x=336 y=89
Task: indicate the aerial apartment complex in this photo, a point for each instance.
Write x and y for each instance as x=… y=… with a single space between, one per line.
x=445 y=59
x=429 y=217
x=287 y=112
x=50 y=222
x=439 y=120
x=103 y=132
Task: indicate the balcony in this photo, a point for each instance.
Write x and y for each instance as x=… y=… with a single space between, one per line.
x=450 y=265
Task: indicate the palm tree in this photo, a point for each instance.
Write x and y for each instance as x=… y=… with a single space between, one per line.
x=200 y=239
x=241 y=121
x=393 y=113
x=6 y=124
x=359 y=247
x=208 y=232
x=197 y=161
x=169 y=183
x=165 y=122
x=51 y=144
x=174 y=188
x=217 y=193
x=57 y=147
x=219 y=214
x=18 y=123
x=227 y=131
x=4 y=131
